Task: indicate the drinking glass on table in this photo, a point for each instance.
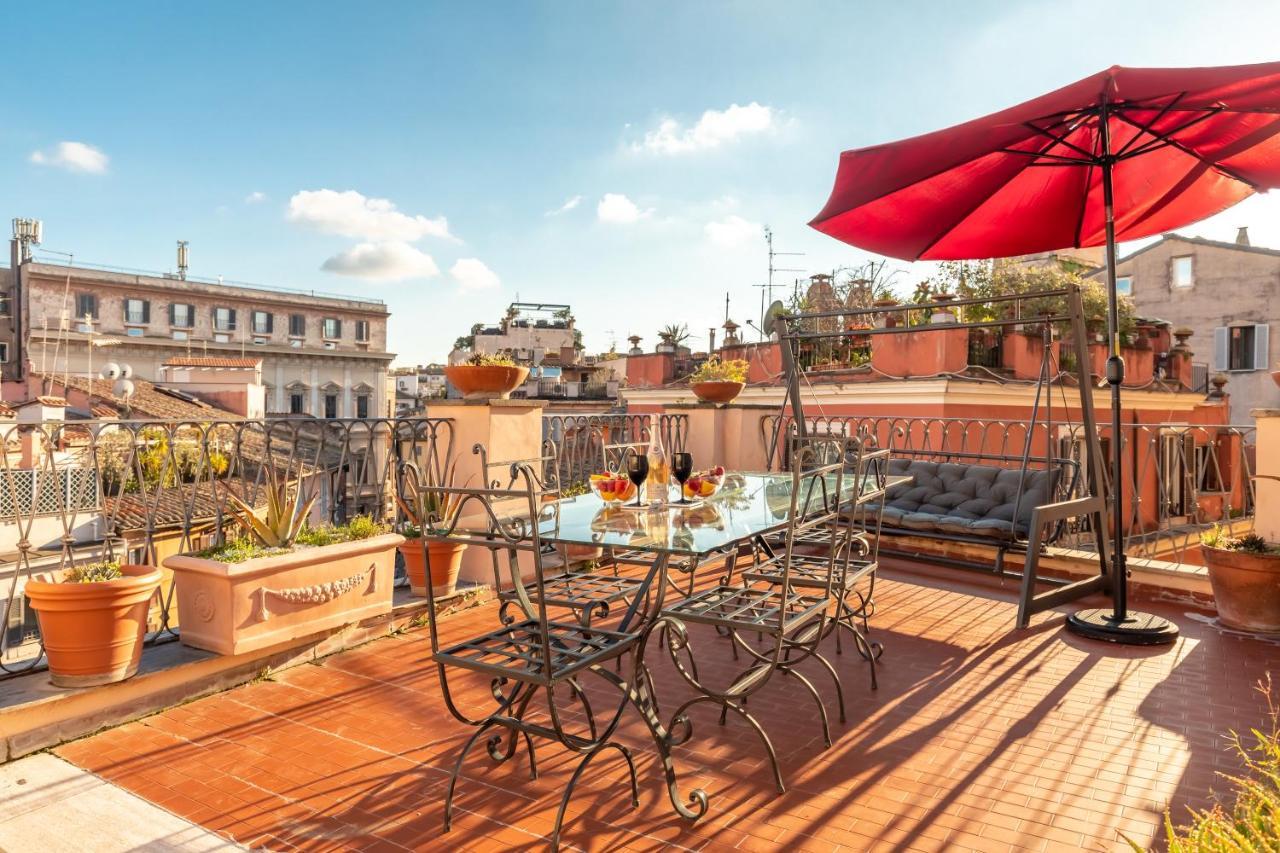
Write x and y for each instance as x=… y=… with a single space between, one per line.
x=681 y=468
x=637 y=471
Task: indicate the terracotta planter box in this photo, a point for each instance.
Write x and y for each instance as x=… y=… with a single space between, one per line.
x=486 y=382
x=231 y=608
x=93 y=632
x=446 y=561
x=1246 y=588
x=716 y=392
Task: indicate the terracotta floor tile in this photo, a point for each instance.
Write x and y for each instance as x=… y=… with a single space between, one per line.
x=979 y=738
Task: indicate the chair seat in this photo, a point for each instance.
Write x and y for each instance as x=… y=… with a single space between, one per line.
x=516 y=650
x=808 y=572
x=754 y=609
x=579 y=589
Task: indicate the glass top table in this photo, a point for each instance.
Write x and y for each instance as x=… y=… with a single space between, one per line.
x=748 y=505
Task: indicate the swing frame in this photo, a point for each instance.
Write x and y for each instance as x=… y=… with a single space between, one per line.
x=791 y=333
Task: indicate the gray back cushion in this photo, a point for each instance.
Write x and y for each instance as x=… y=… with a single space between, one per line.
x=954 y=497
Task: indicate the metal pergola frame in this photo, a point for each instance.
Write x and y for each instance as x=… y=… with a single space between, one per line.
x=791 y=332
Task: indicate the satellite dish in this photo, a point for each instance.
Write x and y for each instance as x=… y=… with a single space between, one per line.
x=773 y=324
x=126 y=371
x=110 y=370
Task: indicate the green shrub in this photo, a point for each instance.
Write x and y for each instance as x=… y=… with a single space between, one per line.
x=715 y=370
x=106 y=570
x=1251 y=820
x=243 y=548
x=1217 y=537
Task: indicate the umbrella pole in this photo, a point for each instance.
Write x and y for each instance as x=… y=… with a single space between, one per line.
x=1118 y=625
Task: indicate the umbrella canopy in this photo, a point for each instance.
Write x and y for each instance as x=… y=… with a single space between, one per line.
x=1186 y=142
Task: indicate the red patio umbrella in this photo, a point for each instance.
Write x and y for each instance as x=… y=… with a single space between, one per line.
x=1123 y=154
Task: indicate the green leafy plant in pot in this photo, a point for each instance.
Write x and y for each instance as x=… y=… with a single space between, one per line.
x=429 y=510
x=1245 y=575
x=717 y=381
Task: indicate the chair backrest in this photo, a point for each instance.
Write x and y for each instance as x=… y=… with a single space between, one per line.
x=503 y=473
x=613 y=457
x=818 y=493
x=502 y=519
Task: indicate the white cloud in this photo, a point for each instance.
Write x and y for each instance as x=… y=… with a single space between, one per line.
x=472 y=274
x=386 y=261
x=73 y=156
x=732 y=231
x=617 y=209
x=255 y=197
x=568 y=205
x=353 y=215
x=715 y=128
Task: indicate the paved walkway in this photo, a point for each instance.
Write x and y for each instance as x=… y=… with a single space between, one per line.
x=979 y=738
x=49 y=805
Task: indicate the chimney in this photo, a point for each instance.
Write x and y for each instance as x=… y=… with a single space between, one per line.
x=1242 y=236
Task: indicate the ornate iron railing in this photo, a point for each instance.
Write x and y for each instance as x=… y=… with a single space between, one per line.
x=139 y=491
x=579 y=440
x=1180 y=478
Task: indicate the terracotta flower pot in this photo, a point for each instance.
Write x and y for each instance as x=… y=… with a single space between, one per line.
x=230 y=608
x=446 y=561
x=1275 y=376
x=486 y=382
x=93 y=632
x=1246 y=588
x=716 y=392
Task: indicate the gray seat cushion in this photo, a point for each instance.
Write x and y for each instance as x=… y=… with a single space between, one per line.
x=971 y=500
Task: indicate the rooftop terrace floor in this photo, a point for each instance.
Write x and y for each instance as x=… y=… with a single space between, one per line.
x=980 y=737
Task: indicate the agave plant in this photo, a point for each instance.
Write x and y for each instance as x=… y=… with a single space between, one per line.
x=286 y=513
x=425 y=506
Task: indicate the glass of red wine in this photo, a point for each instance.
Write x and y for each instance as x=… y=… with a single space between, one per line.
x=637 y=471
x=681 y=469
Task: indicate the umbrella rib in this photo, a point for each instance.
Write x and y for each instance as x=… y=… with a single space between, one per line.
x=1163 y=138
x=1212 y=165
x=1163 y=112
x=957 y=222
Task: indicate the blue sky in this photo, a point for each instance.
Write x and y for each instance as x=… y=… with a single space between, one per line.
x=430 y=155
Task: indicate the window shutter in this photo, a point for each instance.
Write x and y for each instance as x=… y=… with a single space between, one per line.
x=146 y=311
x=231 y=314
x=191 y=315
x=271 y=323
x=173 y=314
x=1261 y=346
x=1220 y=344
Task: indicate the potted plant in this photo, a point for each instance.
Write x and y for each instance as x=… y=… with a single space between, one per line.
x=486 y=377
x=717 y=381
x=1245 y=575
x=282 y=580
x=93 y=619
x=427 y=509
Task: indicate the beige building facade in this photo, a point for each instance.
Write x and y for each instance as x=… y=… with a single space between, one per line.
x=1228 y=294
x=321 y=355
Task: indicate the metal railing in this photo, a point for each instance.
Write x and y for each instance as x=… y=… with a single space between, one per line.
x=579 y=440
x=1179 y=478
x=140 y=491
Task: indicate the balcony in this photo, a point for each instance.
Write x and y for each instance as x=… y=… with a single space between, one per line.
x=979 y=734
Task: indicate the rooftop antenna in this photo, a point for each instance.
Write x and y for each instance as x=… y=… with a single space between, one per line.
x=182 y=259
x=28 y=233
x=766 y=290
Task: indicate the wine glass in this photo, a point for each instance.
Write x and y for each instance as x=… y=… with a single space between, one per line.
x=637 y=470
x=681 y=468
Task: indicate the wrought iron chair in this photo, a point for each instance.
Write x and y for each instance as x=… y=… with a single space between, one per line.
x=587 y=594
x=530 y=655
x=794 y=618
x=866 y=471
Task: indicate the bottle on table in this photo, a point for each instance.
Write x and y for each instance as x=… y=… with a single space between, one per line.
x=659 y=466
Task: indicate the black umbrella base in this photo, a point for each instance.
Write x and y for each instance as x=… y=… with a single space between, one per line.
x=1137 y=629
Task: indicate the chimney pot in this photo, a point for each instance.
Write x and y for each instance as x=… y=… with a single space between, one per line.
x=1242 y=236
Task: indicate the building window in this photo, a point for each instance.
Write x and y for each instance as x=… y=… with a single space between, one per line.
x=137 y=312
x=87 y=306
x=297 y=325
x=362 y=331
x=332 y=328
x=5 y=305
x=1124 y=285
x=1183 y=271
x=263 y=322
x=297 y=406
x=4 y=353
x=362 y=406
x=224 y=319
x=330 y=405
x=182 y=316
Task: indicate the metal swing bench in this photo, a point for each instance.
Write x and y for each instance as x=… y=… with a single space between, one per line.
x=1010 y=503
